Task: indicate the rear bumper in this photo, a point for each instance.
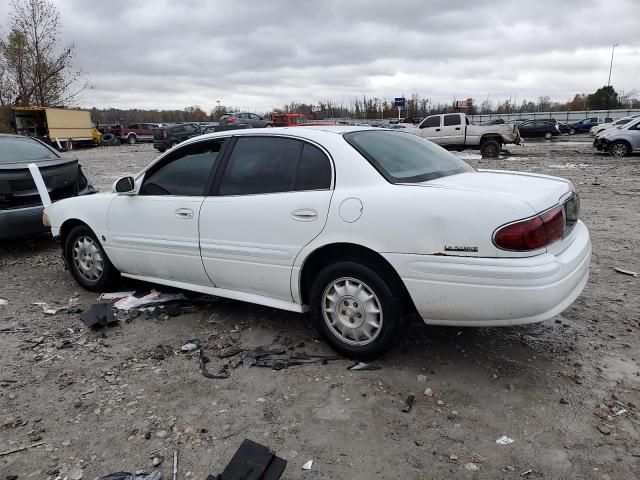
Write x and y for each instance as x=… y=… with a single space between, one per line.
x=468 y=291
x=17 y=222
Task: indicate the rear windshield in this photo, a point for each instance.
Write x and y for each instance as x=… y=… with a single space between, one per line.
x=403 y=157
x=21 y=149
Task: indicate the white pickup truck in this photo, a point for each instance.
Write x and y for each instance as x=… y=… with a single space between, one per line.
x=454 y=131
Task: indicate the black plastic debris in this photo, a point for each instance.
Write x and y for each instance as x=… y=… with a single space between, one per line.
x=252 y=461
x=99 y=315
x=363 y=366
x=152 y=475
x=203 y=360
x=408 y=403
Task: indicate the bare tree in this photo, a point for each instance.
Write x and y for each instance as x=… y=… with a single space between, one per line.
x=33 y=68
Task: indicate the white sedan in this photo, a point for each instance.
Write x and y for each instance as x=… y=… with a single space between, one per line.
x=358 y=225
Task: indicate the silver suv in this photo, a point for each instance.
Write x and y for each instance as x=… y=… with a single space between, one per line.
x=620 y=141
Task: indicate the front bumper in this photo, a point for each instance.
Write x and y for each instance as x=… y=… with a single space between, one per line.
x=485 y=292
x=601 y=144
x=17 y=222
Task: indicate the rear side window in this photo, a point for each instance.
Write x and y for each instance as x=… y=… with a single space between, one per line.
x=314 y=170
x=21 y=149
x=260 y=165
x=451 y=120
x=185 y=173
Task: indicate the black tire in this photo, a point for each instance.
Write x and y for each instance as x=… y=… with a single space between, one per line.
x=490 y=149
x=619 y=148
x=572 y=131
x=109 y=274
x=69 y=145
x=269 y=125
x=161 y=149
x=548 y=136
x=131 y=139
x=173 y=144
x=386 y=297
x=107 y=139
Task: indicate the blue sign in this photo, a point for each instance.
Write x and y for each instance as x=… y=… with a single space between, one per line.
x=399 y=102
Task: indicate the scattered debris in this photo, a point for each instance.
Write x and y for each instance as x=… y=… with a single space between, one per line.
x=91 y=390
x=48 y=310
x=157 y=461
x=4 y=302
x=254 y=461
x=604 y=429
x=307 y=465
x=564 y=401
x=408 y=403
x=627 y=272
x=472 y=467
x=19 y=449
x=504 y=440
x=175 y=464
x=363 y=366
x=141 y=475
x=620 y=412
x=418 y=443
x=428 y=392
x=422 y=378
x=152 y=298
x=526 y=472
x=189 y=347
x=115 y=295
x=99 y=315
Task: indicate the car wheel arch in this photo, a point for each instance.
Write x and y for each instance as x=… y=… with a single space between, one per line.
x=335 y=252
x=69 y=225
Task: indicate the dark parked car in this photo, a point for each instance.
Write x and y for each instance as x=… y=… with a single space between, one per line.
x=20 y=203
x=585 y=125
x=564 y=127
x=546 y=128
x=252 y=120
x=171 y=135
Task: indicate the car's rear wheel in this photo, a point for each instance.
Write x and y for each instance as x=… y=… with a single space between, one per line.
x=548 y=135
x=268 y=125
x=490 y=149
x=572 y=131
x=69 y=145
x=87 y=260
x=131 y=139
x=619 y=149
x=356 y=310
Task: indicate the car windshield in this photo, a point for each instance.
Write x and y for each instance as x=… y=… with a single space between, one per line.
x=403 y=157
x=23 y=149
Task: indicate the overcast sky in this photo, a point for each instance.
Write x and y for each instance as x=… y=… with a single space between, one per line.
x=258 y=54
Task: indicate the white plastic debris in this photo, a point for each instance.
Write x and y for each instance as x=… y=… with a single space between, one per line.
x=504 y=440
x=4 y=302
x=47 y=310
x=620 y=412
x=153 y=297
x=307 y=465
x=472 y=467
x=189 y=347
x=626 y=272
x=115 y=295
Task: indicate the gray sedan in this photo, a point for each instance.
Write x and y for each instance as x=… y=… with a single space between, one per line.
x=251 y=120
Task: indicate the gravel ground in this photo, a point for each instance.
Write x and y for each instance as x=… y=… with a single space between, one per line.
x=566 y=391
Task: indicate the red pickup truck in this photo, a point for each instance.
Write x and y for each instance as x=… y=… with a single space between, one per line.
x=296 y=120
x=138 y=132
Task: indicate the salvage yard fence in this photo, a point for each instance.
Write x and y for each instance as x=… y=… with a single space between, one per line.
x=566 y=116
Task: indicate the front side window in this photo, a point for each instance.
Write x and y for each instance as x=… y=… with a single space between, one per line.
x=185 y=173
x=431 y=122
x=22 y=149
x=450 y=120
x=404 y=157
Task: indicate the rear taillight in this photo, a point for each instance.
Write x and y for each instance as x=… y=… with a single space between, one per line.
x=532 y=233
x=232 y=119
x=164 y=133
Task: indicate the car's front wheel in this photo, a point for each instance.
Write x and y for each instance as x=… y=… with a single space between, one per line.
x=572 y=131
x=619 y=149
x=548 y=135
x=87 y=260
x=490 y=149
x=356 y=309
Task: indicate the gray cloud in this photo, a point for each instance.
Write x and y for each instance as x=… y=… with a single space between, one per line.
x=259 y=54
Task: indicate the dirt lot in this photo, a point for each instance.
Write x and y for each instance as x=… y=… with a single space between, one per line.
x=566 y=391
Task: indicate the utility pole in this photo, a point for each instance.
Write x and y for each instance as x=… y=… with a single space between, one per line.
x=613 y=49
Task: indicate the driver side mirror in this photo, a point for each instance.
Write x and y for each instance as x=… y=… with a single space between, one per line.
x=125 y=186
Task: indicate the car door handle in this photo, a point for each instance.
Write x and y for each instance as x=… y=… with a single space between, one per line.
x=437 y=129
x=304 y=215
x=184 y=213
x=457 y=128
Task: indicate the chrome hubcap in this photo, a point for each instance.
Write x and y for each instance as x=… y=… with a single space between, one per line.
x=619 y=150
x=352 y=311
x=88 y=259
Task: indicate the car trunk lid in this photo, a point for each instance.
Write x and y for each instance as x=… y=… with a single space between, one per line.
x=18 y=189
